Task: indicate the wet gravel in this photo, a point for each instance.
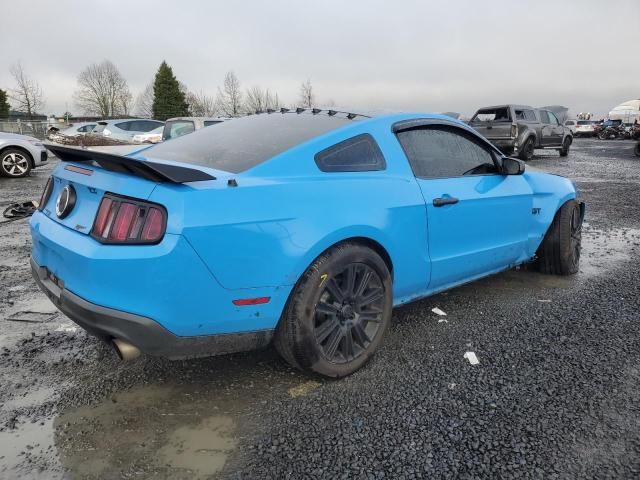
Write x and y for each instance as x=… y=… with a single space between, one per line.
x=555 y=394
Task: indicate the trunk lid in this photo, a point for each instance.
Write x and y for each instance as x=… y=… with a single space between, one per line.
x=90 y=183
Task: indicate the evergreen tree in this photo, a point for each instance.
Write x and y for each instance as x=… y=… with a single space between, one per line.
x=4 y=105
x=168 y=97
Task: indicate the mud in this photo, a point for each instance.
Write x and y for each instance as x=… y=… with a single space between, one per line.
x=69 y=409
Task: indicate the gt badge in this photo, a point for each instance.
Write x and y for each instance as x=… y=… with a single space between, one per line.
x=66 y=201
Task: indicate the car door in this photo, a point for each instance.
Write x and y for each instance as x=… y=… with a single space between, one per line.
x=557 y=129
x=478 y=219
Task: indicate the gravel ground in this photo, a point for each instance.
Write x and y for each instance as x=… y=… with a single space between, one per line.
x=555 y=394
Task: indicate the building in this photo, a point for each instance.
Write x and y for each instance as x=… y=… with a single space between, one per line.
x=628 y=112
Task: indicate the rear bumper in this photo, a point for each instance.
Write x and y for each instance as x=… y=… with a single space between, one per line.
x=146 y=334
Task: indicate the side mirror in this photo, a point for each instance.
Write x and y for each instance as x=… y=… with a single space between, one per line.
x=512 y=166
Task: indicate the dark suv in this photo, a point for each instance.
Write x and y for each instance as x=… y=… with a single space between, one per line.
x=520 y=129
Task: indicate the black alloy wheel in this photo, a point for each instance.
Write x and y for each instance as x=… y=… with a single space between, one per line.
x=349 y=313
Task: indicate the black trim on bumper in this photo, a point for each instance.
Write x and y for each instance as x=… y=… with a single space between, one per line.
x=43 y=156
x=146 y=334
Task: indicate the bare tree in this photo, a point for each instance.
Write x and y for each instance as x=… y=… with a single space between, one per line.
x=260 y=100
x=307 y=95
x=103 y=91
x=230 y=97
x=27 y=97
x=201 y=104
x=144 y=102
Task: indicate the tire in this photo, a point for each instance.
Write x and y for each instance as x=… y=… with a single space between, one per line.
x=332 y=326
x=15 y=163
x=559 y=253
x=526 y=153
x=566 y=145
x=637 y=149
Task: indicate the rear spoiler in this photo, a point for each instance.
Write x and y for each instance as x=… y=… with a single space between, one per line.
x=156 y=172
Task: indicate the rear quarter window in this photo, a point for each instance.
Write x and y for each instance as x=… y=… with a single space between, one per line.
x=357 y=154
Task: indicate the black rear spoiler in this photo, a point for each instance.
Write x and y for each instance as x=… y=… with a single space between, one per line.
x=156 y=172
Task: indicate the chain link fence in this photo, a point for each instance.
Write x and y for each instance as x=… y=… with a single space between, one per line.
x=33 y=128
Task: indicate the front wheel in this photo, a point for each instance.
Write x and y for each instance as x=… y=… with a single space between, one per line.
x=337 y=313
x=559 y=253
x=566 y=145
x=14 y=163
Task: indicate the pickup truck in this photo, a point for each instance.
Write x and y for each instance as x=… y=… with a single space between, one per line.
x=519 y=129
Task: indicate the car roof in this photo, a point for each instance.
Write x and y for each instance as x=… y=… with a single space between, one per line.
x=507 y=105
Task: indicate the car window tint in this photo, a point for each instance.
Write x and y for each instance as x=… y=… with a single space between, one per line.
x=148 y=125
x=357 y=154
x=520 y=115
x=243 y=143
x=124 y=125
x=553 y=120
x=177 y=128
x=530 y=115
x=492 y=115
x=444 y=152
x=211 y=122
x=544 y=117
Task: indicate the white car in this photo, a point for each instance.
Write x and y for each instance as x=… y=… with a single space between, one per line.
x=76 y=129
x=19 y=154
x=586 y=128
x=571 y=125
x=126 y=128
x=154 y=136
x=178 y=126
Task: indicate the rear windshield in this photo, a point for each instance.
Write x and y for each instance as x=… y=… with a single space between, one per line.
x=242 y=143
x=492 y=115
x=177 y=128
x=585 y=122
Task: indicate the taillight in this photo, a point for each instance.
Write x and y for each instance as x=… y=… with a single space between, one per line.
x=46 y=193
x=122 y=220
x=514 y=130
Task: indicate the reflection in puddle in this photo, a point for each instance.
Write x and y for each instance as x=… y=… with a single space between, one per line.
x=152 y=431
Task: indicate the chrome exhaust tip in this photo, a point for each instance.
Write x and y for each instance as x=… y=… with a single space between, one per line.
x=125 y=350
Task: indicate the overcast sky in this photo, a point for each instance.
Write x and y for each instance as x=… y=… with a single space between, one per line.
x=448 y=55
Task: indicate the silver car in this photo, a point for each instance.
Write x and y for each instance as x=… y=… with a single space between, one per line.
x=76 y=129
x=178 y=126
x=125 y=128
x=19 y=154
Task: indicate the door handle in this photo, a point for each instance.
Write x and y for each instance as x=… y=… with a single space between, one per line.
x=441 y=202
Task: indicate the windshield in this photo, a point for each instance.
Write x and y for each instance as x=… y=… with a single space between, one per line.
x=242 y=143
x=177 y=128
x=492 y=115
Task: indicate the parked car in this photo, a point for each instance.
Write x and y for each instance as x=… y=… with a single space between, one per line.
x=154 y=136
x=571 y=125
x=302 y=228
x=76 y=129
x=19 y=154
x=585 y=128
x=519 y=130
x=125 y=129
x=600 y=126
x=176 y=127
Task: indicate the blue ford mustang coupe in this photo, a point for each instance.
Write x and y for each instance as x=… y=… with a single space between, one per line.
x=300 y=227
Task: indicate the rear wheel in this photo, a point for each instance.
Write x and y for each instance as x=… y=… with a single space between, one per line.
x=14 y=163
x=566 y=145
x=338 y=312
x=559 y=253
x=526 y=153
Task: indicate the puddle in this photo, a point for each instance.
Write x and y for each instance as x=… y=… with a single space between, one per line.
x=604 y=250
x=150 y=432
x=27 y=452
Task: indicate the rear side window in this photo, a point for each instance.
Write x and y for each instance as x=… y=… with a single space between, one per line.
x=124 y=126
x=211 y=122
x=357 y=154
x=438 y=152
x=530 y=116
